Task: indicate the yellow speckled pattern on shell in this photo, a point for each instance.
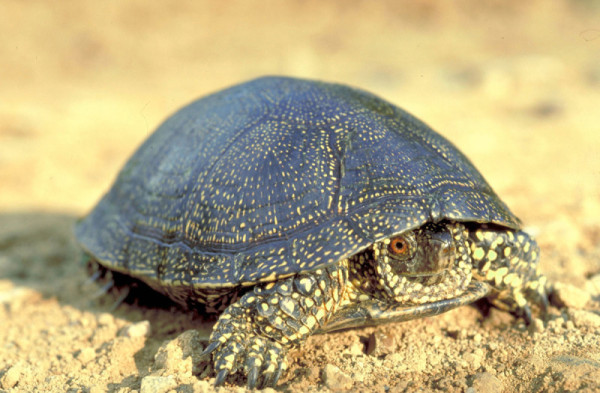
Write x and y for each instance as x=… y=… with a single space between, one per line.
x=274 y=177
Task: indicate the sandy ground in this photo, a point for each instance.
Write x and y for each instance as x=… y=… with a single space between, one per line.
x=515 y=86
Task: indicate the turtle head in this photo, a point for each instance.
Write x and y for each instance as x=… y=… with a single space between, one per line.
x=424 y=255
x=427 y=264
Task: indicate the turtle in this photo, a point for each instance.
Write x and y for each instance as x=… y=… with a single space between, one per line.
x=289 y=207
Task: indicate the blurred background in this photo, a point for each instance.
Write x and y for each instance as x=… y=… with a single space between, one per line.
x=516 y=85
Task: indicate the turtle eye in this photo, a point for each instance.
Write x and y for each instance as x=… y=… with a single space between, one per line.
x=399 y=246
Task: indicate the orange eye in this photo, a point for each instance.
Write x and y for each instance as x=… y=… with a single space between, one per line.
x=398 y=246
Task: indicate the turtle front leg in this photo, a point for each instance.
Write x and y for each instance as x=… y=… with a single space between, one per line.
x=508 y=260
x=256 y=332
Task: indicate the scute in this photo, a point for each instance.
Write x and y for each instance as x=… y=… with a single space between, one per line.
x=277 y=176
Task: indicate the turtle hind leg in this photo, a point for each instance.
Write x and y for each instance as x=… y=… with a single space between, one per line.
x=124 y=288
x=508 y=260
x=254 y=334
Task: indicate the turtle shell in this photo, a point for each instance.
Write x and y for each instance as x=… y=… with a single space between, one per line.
x=274 y=177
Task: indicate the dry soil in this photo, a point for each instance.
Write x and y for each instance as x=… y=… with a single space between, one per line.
x=516 y=85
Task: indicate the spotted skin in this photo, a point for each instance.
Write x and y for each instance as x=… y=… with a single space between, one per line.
x=255 y=333
x=373 y=273
x=508 y=261
x=276 y=180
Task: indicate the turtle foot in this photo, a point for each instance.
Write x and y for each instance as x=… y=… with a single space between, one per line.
x=235 y=346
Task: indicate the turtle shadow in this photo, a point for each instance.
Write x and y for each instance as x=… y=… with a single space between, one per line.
x=38 y=251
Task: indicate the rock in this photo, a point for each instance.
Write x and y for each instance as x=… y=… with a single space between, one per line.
x=335 y=379
x=203 y=387
x=474 y=358
x=13 y=298
x=456 y=333
x=537 y=326
x=593 y=285
x=138 y=329
x=486 y=382
x=569 y=325
x=356 y=349
x=105 y=319
x=556 y=325
x=86 y=355
x=380 y=344
x=566 y=295
x=169 y=358
x=308 y=375
x=401 y=387
x=583 y=318
x=190 y=342
x=574 y=373
x=11 y=377
x=177 y=356
x=155 y=384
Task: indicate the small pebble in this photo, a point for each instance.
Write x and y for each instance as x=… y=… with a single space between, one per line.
x=556 y=325
x=105 y=319
x=14 y=298
x=11 y=377
x=457 y=333
x=336 y=379
x=380 y=344
x=488 y=383
x=175 y=356
x=155 y=384
x=537 y=326
x=203 y=387
x=394 y=359
x=138 y=329
x=566 y=295
x=473 y=359
x=583 y=318
x=593 y=285
x=569 y=325
x=356 y=349
x=86 y=355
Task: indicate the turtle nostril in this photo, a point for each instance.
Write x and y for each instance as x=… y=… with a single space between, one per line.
x=446 y=257
x=448 y=251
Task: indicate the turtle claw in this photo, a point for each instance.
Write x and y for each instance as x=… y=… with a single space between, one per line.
x=542 y=300
x=252 y=377
x=94 y=277
x=274 y=366
x=538 y=298
x=278 y=373
x=104 y=289
x=526 y=314
x=121 y=299
x=221 y=377
x=210 y=349
x=261 y=359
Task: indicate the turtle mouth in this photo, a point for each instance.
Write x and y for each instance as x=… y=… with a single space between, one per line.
x=426 y=278
x=435 y=266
